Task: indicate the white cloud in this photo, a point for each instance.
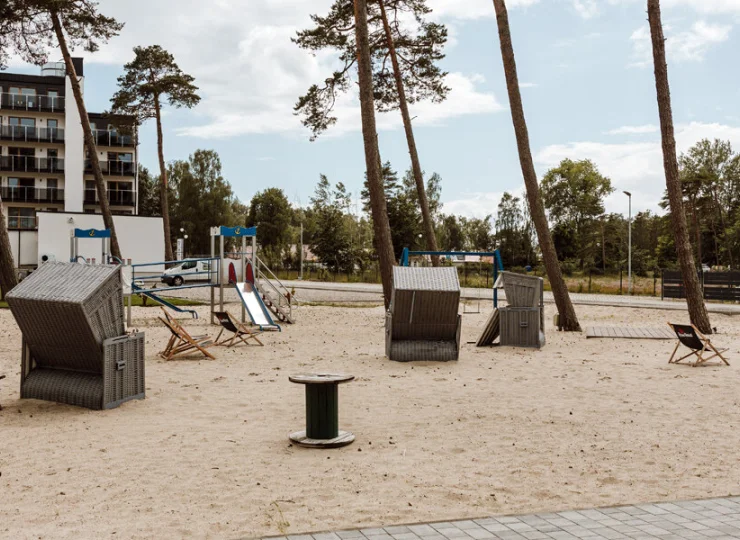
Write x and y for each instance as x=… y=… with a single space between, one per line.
x=479 y=204
x=689 y=45
x=472 y=9
x=635 y=166
x=633 y=130
x=586 y=8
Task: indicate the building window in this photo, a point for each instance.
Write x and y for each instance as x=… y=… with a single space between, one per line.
x=21 y=218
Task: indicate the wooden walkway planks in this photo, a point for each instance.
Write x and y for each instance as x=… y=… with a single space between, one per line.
x=631 y=332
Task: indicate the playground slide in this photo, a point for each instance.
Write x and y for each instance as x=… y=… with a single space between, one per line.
x=164 y=302
x=256 y=309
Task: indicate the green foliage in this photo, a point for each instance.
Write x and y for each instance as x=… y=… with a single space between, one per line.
x=573 y=194
x=332 y=240
x=148 y=193
x=271 y=213
x=200 y=198
x=26 y=28
x=514 y=232
x=151 y=76
x=418 y=43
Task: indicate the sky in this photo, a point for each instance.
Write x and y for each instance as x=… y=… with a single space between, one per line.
x=585 y=68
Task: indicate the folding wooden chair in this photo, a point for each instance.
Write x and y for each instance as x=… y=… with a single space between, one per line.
x=240 y=332
x=690 y=337
x=181 y=343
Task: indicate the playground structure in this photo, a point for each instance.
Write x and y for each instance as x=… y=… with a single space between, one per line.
x=260 y=292
x=498 y=265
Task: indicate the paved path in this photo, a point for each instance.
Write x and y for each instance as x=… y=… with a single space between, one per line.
x=710 y=518
x=373 y=291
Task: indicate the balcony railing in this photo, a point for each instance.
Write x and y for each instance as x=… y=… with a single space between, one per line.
x=32 y=194
x=23 y=164
x=116 y=197
x=111 y=138
x=31 y=134
x=25 y=223
x=31 y=102
x=113 y=167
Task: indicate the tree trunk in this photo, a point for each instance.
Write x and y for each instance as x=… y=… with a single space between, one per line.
x=697 y=231
x=372 y=153
x=568 y=318
x=426 y=215
x=697 y=308
x=163 y=186
x=8 y=277
x=89 y=142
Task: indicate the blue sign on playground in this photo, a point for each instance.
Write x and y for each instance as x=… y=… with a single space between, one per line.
x=92 y=233
x=237 y=232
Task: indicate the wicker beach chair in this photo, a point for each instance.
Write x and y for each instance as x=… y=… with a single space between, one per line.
x=75 y=348
x=422 y=322
x=181 y=343
x=240 y=332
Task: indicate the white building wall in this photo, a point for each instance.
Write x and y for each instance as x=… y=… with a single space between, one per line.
x=141 y=238
x=74 y=152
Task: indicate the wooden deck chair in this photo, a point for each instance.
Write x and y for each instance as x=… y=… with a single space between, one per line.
x=690 y=337
x=240 y=332
x=182 y=343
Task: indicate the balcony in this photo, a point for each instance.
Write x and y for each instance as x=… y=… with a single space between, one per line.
x=26 y=164
x=116 y=197
x=113 y=167
x=26 y=102
x=22 y=223
x=111 y=138
x=31 y=195
x=31 y=134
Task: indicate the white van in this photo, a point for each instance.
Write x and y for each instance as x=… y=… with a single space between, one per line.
x=187 y=271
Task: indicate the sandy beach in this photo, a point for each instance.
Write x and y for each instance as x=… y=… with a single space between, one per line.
x=580 y=423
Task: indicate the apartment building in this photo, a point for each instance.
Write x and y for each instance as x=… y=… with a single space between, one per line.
x=43 y=165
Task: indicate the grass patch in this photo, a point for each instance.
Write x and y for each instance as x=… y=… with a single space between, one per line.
x=3 y=305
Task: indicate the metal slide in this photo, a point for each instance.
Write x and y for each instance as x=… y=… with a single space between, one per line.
x=138 y=290
x=258 y=312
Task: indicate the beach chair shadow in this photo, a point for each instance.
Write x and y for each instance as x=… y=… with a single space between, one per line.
x=700 y=345
x=240 y=332
x=181 y=343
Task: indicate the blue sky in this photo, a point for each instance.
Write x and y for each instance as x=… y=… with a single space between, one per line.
x=585 y=66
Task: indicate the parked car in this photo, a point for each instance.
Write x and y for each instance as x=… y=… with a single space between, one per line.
x=705 y=268
x=187 y=271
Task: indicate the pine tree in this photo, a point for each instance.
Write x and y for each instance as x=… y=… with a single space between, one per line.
x=149 y=79
x=568 y=318
x=697 y=309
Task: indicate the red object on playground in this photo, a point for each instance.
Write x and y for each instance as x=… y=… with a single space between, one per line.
x=250 y=273
x=232 y=273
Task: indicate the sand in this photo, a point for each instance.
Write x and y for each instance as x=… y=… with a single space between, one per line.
x=578 y=424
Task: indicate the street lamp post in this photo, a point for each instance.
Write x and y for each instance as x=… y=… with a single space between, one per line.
x=629 y=245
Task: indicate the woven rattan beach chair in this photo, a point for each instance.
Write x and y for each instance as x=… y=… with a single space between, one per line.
x=700 y=345
x=181 y=343
x=422 y=322
x=75 y=348
x=240 y=332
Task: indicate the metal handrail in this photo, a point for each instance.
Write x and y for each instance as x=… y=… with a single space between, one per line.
x=281 y=296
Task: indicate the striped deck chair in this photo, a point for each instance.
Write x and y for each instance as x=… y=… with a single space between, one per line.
x=240 y=332
x=181 y=343
x=701 y=347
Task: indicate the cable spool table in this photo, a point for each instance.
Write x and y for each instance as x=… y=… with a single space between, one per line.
x=322 y=411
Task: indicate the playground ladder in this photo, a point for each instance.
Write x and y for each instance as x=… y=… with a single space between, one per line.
x=275 y=294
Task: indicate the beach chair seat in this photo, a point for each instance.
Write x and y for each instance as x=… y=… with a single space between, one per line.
x=240 y=332
x=181 y=343
x=701 y=346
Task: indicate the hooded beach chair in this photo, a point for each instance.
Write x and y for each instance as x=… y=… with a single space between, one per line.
x=240 y=332
x=422 y=322
x=181 y=343
x=701 y=347
x=75 y=347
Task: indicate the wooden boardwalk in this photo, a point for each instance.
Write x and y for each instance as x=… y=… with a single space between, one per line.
x=624 y=332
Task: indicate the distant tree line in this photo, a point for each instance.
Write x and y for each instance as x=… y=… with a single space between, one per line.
x=586 y=237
